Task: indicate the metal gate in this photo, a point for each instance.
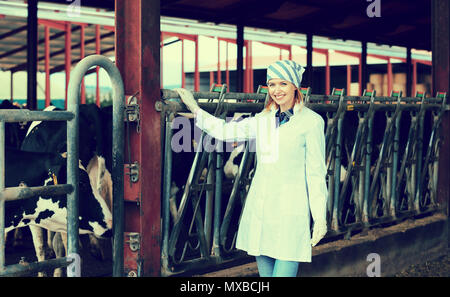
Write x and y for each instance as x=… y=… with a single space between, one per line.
x=71 y=188
x=375 y=189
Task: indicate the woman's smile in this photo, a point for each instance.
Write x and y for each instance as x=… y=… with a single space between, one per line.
x=282 y=92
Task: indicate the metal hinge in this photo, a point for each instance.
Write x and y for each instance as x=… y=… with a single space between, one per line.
x=134 y=241
x=132 y=112
x=133 y=172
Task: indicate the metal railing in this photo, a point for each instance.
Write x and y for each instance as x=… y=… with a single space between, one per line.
x=71 y=189
x=117 y=146
x=386 y=187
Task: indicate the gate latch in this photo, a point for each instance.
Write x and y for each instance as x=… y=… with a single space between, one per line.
x=133 y=171
x=132 y=112
x=134 y=241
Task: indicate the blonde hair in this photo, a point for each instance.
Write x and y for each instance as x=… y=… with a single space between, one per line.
x=298 y=98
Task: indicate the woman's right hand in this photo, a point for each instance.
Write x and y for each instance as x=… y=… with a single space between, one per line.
x=188 y=99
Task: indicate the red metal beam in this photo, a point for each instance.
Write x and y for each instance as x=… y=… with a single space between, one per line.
x=414 y=79
x=183 y=74
x=138 y=59
x=389 y=77
x=440 y=46
x=349 y=79
x=219 y=76
x=59 y=25
x=327 y=73
x=180 y=35
x=227 y=71
x=196 y=73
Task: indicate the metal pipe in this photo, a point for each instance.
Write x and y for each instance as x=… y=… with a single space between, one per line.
x=27 y=268
x=2 y=201
x=117 y=149
x=394 y=194
x=217 y=204
x=166 y=194
x=365 y=214
x=171 y=94
x=25 y=115
x=337 y=173
x=19 y=193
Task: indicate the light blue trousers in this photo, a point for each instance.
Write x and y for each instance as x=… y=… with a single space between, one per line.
x=271 y=267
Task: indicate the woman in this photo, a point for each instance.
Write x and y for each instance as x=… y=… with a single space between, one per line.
x=289 y=180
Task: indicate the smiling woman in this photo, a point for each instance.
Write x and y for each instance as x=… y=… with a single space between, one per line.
x=289 y=180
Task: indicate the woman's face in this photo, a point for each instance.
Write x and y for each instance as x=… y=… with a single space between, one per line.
x=282 y=92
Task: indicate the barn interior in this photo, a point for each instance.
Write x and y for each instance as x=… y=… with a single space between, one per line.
x=421 y=28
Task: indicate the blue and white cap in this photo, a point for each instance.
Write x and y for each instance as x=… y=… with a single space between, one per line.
x=287 y=70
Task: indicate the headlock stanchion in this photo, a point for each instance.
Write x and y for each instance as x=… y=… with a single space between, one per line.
x=381 y=153
x=117 y=148
x=71 y=189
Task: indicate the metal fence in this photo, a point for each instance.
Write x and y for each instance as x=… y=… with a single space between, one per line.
x=385 y=180
x=71 y=188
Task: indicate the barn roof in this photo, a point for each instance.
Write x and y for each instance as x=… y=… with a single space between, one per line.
x=401 y=22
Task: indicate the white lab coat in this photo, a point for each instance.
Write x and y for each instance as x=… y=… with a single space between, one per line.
x=289 y=180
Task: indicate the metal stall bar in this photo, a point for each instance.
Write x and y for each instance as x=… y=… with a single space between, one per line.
x=2 y=201
x=15 y=193
x=191 y=194
x=337 y=106
x=430 y=159
x=117 y=149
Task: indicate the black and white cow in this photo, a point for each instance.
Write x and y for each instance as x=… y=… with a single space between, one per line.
x=50 y=212
x=50 y=136
x=14 y=132
x=32 y=169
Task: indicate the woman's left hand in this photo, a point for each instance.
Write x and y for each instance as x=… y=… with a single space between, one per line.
x=319 y=231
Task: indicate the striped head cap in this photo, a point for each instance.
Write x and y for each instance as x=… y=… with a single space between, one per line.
x=287 y=70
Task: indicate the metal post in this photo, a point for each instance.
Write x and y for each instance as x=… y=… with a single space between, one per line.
x=240 y=56
x=137 y=57
x=47 y=66
x=366 y=206
x=337 y=173
x=327 y=72
x=2 y=201
x=408 y=72
x=166 y=193
x=309 y=60
x=217 y=204
x=97 y=69
x=117 y=153
x=82 y=53
x=32 y=53
x=363 y=64
x=197 y=73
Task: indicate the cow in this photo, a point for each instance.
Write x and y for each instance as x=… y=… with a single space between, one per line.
x=50 y=136
x=50 y=212
x=14 y=132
